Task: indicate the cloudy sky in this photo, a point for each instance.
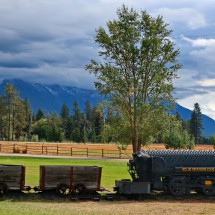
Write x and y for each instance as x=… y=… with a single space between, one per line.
x=50 y=41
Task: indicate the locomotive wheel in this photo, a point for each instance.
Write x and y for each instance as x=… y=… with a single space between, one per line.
x=63 y=190
x=177 y=187
x=78 y=189
x=3 y=188
x=208 y=190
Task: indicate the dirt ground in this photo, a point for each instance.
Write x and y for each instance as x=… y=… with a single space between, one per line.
x=49 y=204
x=146 y=207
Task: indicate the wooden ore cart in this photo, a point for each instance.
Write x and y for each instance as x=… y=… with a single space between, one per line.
x=75 y=180
x=12 y=177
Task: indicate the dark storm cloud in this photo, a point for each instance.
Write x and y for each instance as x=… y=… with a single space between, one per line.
x=50 y=41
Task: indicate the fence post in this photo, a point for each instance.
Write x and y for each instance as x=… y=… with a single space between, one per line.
x=120 y=153
x=46 y=150
x=42 y=149
x=14 y=146
x=87 y=152
x=102 y=153
x=71 y=151
x=0 y=147
x=57 y=148
x=26 y=149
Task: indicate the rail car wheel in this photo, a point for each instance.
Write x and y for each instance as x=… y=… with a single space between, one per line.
x=177 y=187
x=63 y=190
x=3 y=188
x=78 y=189
x=208 y=190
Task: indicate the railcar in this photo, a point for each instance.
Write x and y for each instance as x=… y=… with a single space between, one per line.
x=175 y=171
x=75 y=180
x=12 y=177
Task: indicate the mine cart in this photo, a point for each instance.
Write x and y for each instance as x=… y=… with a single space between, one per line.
x=12 y=177
x=75 y=180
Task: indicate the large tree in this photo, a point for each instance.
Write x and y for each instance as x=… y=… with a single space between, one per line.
x=15 y=114
x=138 y=64
x=196 y=125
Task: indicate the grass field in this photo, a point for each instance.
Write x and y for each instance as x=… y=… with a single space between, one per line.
x=112 y=170
x=48 y=203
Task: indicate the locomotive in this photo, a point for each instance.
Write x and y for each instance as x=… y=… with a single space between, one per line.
x=177 y=172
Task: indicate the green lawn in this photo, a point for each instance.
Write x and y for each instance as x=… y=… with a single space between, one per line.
x=15 y=203
x=112 y=170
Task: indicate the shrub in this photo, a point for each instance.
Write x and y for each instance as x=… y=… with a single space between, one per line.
x=177 y=139
x=34 y=138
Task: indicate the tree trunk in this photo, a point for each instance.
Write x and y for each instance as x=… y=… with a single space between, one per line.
x=139 y=145
x=134 y=143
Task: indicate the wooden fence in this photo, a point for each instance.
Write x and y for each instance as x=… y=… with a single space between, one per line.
x=63 y=150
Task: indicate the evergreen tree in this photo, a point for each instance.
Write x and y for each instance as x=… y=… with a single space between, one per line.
x=14 y=111
x=40 y=114
x=28 y=116
x=99 y=123
x=89 y=122
x=19 y=120
x=54 y=131
x=196 y=125
x=64 y=113
x=3 y=123
x=76 y=123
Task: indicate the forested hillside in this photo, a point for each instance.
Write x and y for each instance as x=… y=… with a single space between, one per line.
x=50 y=98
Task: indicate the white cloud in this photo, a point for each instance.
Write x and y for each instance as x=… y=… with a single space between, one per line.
x=200 y=42
x=206 y=103
x=186 y=16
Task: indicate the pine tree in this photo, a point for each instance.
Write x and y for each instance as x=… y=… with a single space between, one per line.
x=28 y=116
x=76 y=123
x=64 y=114
x=40 y=114
x=14 y=111
x=196 y=123
x=99 y=123
x=3 y=123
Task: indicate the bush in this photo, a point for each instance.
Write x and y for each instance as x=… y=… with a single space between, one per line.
x=34 y=138
x=177 y=139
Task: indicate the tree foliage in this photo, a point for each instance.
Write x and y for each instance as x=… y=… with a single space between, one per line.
x=178 y=139
x=136 y=71
x=196 y=125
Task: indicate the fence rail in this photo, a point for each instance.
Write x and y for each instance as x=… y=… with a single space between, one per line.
x=75 y=150
x=65 y=150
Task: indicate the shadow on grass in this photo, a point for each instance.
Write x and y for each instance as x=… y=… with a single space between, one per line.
x=51 y=196
x=47 y=196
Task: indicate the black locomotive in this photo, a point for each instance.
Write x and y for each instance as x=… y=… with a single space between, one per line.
x=174 y=171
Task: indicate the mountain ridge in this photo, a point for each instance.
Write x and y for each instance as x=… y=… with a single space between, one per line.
x=50 y=98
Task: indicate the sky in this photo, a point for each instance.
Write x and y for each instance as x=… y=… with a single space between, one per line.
x=50 y=41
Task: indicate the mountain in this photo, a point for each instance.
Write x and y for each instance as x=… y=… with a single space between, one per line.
x=51 y=98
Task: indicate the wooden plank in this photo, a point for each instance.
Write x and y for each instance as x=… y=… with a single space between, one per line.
x=70 y=175
x=42 y=177
x=13 y=176
x=99 y=179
